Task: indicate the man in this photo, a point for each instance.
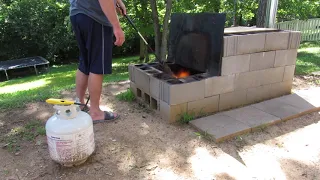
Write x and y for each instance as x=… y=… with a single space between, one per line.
x=94 y=23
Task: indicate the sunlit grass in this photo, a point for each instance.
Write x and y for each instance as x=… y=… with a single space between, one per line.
x=24 y=86
x=17 y=92
x=308 y=59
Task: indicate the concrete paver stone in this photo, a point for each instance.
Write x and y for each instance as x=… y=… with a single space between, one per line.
x=227 y=124
x=278 y=108
x=251 y=116
x=220 y=126
x=297 y=101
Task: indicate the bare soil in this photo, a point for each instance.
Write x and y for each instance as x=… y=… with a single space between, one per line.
x=141 y=145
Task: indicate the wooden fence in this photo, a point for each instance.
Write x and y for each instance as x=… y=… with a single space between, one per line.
x=310 y=28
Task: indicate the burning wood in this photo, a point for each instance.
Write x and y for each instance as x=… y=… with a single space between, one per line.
x=182 y=74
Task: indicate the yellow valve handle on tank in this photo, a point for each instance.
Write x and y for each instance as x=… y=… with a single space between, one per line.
x=60 y=101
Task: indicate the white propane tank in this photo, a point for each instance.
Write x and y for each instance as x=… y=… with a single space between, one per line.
x=70 y=135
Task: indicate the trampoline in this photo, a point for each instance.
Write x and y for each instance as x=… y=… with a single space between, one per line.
x=23 y=63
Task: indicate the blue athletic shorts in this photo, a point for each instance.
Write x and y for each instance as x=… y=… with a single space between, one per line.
x=95 y=43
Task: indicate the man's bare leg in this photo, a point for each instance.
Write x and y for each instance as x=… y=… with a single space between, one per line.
x=95 y=88
x=81 y=85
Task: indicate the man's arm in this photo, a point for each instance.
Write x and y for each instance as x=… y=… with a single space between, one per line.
x=108 y=7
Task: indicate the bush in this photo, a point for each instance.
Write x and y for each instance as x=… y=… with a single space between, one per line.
x=36 y=27
x=43 y=28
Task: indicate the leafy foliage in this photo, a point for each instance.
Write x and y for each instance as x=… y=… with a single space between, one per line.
x=36 y=27
x=127 y=95
x=296 y=9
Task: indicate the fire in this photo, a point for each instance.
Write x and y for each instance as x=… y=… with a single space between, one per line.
x=182 y=74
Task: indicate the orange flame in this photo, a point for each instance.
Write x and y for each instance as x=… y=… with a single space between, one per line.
x=182 y=74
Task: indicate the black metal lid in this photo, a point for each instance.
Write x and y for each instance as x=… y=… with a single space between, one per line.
x=196 y=41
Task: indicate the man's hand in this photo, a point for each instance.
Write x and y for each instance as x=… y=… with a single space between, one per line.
x=110 y=11
x=118 y=33
x=122 y=6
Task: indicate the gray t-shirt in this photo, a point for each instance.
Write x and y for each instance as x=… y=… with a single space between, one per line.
x=91 y=8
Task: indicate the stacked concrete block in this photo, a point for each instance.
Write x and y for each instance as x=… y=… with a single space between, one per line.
x=142 y=84
x=255 y=67
x=265 y=71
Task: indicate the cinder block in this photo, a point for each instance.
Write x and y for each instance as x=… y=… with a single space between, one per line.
x=206 y=105
x=142 y=80
x=142 y=77
x=219 y=84
x=294 y=39
x=249 y=79
x=133 y=88
x=251 y=43
x=131 y=72
x=146 y=98
x=277 y=41
x=286 y=57
x=182 y=92
x=235 y=64
x=154 y=87
x=172 y=113
x=273 y=75
x=258 y=94
x=232 y=100
x=281 y=88
x=229 y=44
x=269 y=91
x=289 y=73
x=155 y=104
x=262 y=60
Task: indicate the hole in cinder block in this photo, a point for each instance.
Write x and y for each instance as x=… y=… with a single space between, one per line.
x=163 y=76
x=138 y=92
x=158 y=67
x=188 y=79
x=147 y=98
x=175 y=81
x=139 y=65
x=154 y=103
x=145 y=68
x=153 y=64
x=202 y=76
x=151 y=72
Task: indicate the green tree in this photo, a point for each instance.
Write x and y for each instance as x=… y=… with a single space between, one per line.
x=296 y=9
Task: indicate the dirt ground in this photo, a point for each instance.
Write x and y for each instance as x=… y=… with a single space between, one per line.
x=140 y=145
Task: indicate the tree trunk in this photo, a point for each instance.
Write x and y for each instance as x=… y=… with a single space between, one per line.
x=142 y=50
x=261 y=15
x=142 y=13
x=235 y=12
x=165 y=30
x=146 y=54
x=156 y=26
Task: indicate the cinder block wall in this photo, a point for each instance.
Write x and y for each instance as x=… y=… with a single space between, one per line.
x=255 y=67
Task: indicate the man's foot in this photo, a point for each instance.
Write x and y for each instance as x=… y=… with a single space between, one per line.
x=104 y=116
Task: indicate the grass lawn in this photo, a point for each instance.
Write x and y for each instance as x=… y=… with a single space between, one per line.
x=16 y=92
x=308 y=59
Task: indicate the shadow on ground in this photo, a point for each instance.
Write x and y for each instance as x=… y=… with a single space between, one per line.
x=236 y=145
x=141 y=145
